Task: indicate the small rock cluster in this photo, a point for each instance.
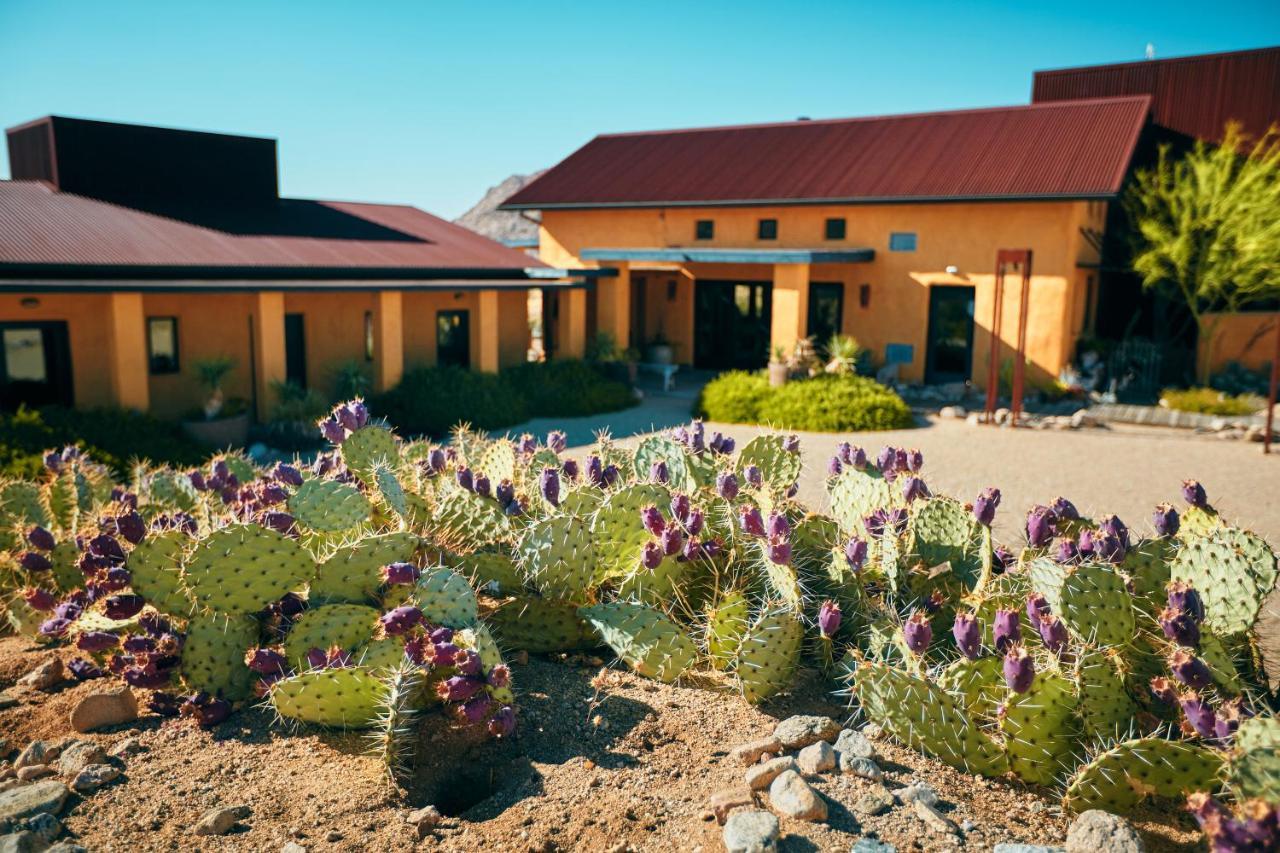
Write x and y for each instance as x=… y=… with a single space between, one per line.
x=1080 y=419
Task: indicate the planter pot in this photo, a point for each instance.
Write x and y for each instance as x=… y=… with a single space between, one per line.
x=778 y=373
x=660 y=353
x=223 y=432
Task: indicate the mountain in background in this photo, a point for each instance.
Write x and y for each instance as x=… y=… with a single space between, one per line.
x=502 y=225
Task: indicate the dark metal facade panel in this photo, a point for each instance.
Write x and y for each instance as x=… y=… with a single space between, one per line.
x=1057 y=150
x=1194 y=95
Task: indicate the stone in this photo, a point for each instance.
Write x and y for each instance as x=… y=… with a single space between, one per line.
x=1024 y=848
x=105 y=708
x=791 y=796
x=761 y=776
x=45 y=826
x=917 y=791
x=79 y=755
x=749 y=753
x=864 y=767
x=220 y=821
x=32 y=772
x=93 y=777
x=21 y=842
x=856 y=744
x=871 y=845
x=293 y=847
x=973 y=419
x=37 y=752
x=953 y=413
x=872 y=731
x=1096 y=831
x=8 y=701
x=724 y=801
x=935 y=819
x=424 y=820
x=46 y=675
x=800 y=731
x=28 y=800
x=754 y=831
x=66 y=847
x=1002 y=416
x=1082 y=418
x=877 y=802
x=816 y=758
x=127 y=748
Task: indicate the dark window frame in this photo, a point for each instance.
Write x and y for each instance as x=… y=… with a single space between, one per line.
x=176 y=367
x=704 y=229
x=842 y=226
x=764 y=227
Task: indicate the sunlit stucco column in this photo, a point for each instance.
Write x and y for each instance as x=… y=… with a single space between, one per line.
x=388 y=339
x=613 y=305
x=489 y=330
x=130 y=372
x=790 y=306
x=268 y=348
x=573 y=323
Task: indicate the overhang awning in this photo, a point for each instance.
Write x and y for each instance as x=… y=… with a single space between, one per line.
x=733 y=256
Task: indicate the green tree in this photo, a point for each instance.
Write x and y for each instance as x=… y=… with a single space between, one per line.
x=1208 y=227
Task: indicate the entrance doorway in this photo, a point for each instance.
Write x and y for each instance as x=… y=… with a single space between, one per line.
x=731 y=324
x=295 y=350
x=949 y=357
x=453 y=338
x=826 y=312
x=37 y=365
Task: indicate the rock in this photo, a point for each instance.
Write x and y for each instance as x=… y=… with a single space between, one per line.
x=93 y=777
x=66 y=847
x=7 y=701
x=935 y=819
x=952 y=413
x=816 y=758
x=32 y=772
x=127 y=748
x=877 y=802
x=45 y=826
x=1096 y=831
x=724 y=801
x=871 y=845
x=105 y=708
x=791 y=796
x=1082 y=418
x=872 y=731
x=28 y=800
x=1002 y=416
x=46 y=675
x=973 y=419
x=856 y=744
x=864 y=767
x=754 y=831
x=220 y=821
x=424 y=820
x=1024 y=848
x=21 y=842
x=293 y=847
x=79 y=755
x=917 y=791
x=37 y=752
x=11 y=782
x=761 y=776
x=749 y=753
x=800 y=731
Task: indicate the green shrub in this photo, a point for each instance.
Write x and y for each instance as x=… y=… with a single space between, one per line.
x=113 y=437
x=568 y=389
x=1207 y=401
x=825 y=403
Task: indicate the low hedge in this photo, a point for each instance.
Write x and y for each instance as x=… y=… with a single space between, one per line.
x=1208 y=401
x=827 y=403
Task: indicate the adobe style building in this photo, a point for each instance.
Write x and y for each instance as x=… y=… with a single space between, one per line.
x=728 y=241
x=129 y=253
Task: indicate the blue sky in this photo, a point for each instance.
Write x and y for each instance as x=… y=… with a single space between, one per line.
x=430 y=103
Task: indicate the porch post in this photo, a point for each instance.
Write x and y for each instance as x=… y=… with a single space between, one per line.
x=489 y=329
x=388 y=339
x=613 y=302
x=130 y=371
x=790 y=306
x=268 y=348
x=573 y=323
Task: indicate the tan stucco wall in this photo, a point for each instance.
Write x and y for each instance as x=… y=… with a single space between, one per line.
x=1248 y=338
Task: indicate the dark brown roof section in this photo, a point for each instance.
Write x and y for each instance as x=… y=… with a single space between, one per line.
x=1194 y=95
x=1073 y=150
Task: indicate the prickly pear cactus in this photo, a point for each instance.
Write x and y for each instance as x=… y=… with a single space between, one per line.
x=645 y=639
x=390 y=490
x=1254 y=766
x=346 y=626
x=540 y=625
x=445 y=598
x=171 y=488
x=491 y=572
x=558 y=556
x=855 y=495
x=368 y=447
x=726 y=624
x=346 y=697
x=1123 y=776
x=1040 y=734
x=245 y=567
x=329 y=506
x=156 y=568
x=943 y=531
x=464 y=521
x=478 y=638
x=1233 y=570
x=768 y=654
x=353 y=574
x=661 y=448
x=66 y=572
x=1096 y=606
x=1106 y=708
x=779 y=466
x=618 y=532
x=213 y=655
x=498 y=462
x=977 y=684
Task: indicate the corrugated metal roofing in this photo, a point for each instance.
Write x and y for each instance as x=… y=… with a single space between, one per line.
x=1195 y=95
x=40 y=226
x=1060 y=150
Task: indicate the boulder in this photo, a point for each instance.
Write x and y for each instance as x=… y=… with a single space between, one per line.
x=28 y=800
x=855 y=744
x=800 y=731
x=48 y=674
x=791 y=796
x=753 y=831
x=761 y=776
x=816 y=758
x=93 y=777
x=105 y=708
x=79 y=755
x=1096 y=831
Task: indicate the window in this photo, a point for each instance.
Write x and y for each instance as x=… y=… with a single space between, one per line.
x=162 y=344
x=368 y=336
x=826 y=312
x=864 y=296
x=767 y=229
x=453 y=338
x=902 y=241
x=704 y=229
x=295 y=350
x=835 y=229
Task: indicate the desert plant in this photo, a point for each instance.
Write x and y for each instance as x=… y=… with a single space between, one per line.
x=1207 y=401
x=351 y=380
x=211 y=373
x=827 y=403
x=843 y=354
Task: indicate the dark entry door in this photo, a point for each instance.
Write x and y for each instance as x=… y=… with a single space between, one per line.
x=295 y=350
x=731 y=324
x=950 y=351
x=453 y=338
x=826 y=309
x=37 y=365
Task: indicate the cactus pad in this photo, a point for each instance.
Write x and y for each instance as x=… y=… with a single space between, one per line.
x=1120 y=778
x=643 y=638
x=490 y=571
x=617 y=530
x=213 y=655
x=855 y=495
x=353 y=574
x=390 y=490
x=1233 y=570
x=1106 y=709
x=541 y=625
x=978 y=684
x=558 y=556
x=329 y=506
x=481 y=641
x=368 y=447
x=1039 y=730
x=155 y=564
x=464 y=521
x=498 y=462
x=1254 y=768
x=170 y=488
x=726 y=623
x=245 y=567
x=661 y=448
x=767 y=657
x=445 y=598
x=66 y=573
x=1096 y=606
x=349 y=697
x=347 y=626
x=780 y=467
x=943 y=531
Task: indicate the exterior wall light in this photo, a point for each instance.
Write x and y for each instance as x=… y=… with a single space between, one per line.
x=952 y=269
x=30 y=302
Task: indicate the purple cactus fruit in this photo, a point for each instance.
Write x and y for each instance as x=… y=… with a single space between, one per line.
x=146 y=677
x=844 y=452
x=164 y=704
x=896 y=520
x=499 y=676
x=467 y=662
x=711 y=548
x=967 y=635
x=505 y=493
x=549 y=486
x=755 y=477
x=465 y=478
x=1040 y=526
x=514 y=509
x=914 y=488
x=778 y=526
x=651 y=555
x=728 y=444
x=1053 y=633
x=692 y=549
x=672 y=540
x=481 y=485
x=1179 y=627
x=915 y=460
x=475 y=710
x=34 y=561
x=287 y=474
x=1002 y=560
x=280 y=522
x=39 y=600
x=316 y=658
x=834 y=468
x=695 y=522
x=458 y=688
x=1019 y=669
x=272 y=494
x=829 y=617
x=400 y=574
x=1227 y=721
x=290 y=605
x=934 y=602
x=1181 y=596
x=1198 y=713
x=1163 y=691
x=206 y=710
x=123 y=606
x=1065 y=551
x=84 y=670
x=436 y=460
x=1165 y=520
x=527 y=444
x=444 y=654
x=1037 y=607
x=569 y=468
x=1194 y=494
x=651 y=518
x=332 y=431
x=917 y=632
x=55 y=627
x=984 y=506
x=1064 y=510
x=97 y=641
x=1006 y=629
x=595 y=471
x=139 y=644
x=680 y=507
x=41 y=539
x=727 y=485
x=858 y=459
x=874 y=523
x=557 y=440
x=658 y=472
x=265 y=661
x=791 y=443
x=52 y=461
x=503 y=723
x=751 y=521
x=855 y=553
x=1113 y=526
x=401 y=620
x=1109 y=547
x=887 y=460
x=1087 y=543
x=1190 y=670
x=780 y=552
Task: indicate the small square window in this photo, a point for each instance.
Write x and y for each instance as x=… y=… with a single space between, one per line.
x=902 y=241
x=704 y=229
x=162 y=344
x=835 y=229
x=767 y=229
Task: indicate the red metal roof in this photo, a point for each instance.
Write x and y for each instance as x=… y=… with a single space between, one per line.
x=42 y=227
x=1061 y=150
x=1195 y=95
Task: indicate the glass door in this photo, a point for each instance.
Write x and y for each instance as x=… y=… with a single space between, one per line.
x=950 y=353
x=453 y=338
x=37 y=365
x=731 y=324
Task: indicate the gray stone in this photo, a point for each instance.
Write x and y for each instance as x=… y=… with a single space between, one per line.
x=105 y=708
x=7 y=701
x=790 y=795
x=864 y=767
x=220 y=821
x=872 y=731
x=816 y=758
x=21 y=842
x=877 y=802
x=800 y=731
x=32 y=772
x=79 y=755
x=935 y=819
x=856 y=744
x=761 y=776
x=749 y=753
x=28 y=800
x=1096 y=831
x=127 y=748
x=37 y=752
x=424 y=820
x=93 y=777
x=917 y=791
x=66 y=847
x=1024 y=848
x=46 y=675
x=753 y=831
x=44 y=825
x=871 y=845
